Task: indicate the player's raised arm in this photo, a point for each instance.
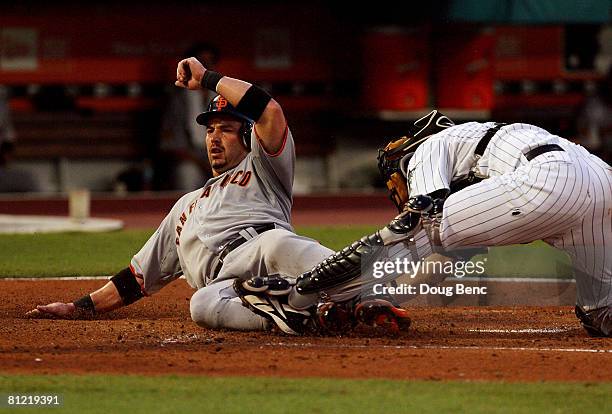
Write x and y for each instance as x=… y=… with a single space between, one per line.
x=123 y=289
x=248 y=99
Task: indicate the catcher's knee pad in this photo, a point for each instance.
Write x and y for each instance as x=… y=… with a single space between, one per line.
x=268 y=297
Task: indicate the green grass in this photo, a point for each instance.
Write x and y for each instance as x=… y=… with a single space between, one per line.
x=535 y=259
x=69 y=254
x=178 y=394
x=336 y=237
x=93 y=254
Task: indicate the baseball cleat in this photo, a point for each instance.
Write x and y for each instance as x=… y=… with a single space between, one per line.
x=382 y=313
x=274 y=285
x=274 y=307
x=334 y=318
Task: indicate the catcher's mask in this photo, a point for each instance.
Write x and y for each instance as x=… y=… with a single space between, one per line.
x=397 y=153
x=220 y=105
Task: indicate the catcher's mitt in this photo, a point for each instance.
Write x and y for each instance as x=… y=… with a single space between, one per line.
x=401 y=150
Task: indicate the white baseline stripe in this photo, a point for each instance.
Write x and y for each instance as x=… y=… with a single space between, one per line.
x=491 y=348
x=529 y=330
x=511 y=279
x=182 y=339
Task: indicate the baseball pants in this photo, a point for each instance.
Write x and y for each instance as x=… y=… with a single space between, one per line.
x=276 y=251
x=563 y=198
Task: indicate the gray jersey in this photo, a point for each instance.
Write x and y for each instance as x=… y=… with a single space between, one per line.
x=192 y=236
x=188 y=241
x=561 y=197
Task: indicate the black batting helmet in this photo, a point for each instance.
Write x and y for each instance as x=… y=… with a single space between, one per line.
x=220 y=105
x=389 y=158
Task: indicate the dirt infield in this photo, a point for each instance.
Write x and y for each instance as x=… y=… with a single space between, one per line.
x=157 y=336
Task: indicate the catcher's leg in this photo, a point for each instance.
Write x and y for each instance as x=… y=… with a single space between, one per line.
x=598 y=322
x=346 y=265
x=218 y=306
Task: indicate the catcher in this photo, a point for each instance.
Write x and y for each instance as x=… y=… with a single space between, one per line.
x=491 y=184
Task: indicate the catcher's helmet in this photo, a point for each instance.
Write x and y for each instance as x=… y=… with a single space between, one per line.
x=402 y=149
x=220 y=105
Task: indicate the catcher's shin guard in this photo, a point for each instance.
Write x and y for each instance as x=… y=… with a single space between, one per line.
x=267 y=297
x=340 y=267
x=346 y=265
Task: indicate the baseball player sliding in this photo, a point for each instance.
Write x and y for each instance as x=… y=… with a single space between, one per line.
x=491 y=184
x=232 y=239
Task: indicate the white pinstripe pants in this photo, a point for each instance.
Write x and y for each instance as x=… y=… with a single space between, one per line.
x=563 y=198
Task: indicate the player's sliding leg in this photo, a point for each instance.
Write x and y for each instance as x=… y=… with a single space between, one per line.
x=218 y=306
x=337 y=304
x=333 y=301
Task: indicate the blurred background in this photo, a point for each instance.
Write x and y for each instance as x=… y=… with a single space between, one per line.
x=87 y=97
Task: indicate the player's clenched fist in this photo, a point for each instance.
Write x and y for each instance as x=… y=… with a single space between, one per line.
x=189 y=73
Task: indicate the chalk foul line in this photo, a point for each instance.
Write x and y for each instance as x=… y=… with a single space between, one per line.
x=183 y=339
x=416 y=347
x=528 y=330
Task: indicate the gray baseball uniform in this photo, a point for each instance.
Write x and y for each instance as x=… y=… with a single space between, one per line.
x=189 y=241
x=562 y=197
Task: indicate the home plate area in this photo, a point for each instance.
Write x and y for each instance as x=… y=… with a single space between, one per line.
x=156 y=336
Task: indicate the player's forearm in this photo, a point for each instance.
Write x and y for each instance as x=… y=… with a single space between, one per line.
x=106 y=298
x=123 y=289
x=232 y=89
x=254 y=102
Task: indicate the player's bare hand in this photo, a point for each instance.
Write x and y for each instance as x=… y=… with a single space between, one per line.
x=189 y=73
x=53 y=310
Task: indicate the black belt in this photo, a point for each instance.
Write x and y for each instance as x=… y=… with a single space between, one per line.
x=542 y=149
x=531 y=154
x=234 y=244
x=484 y=141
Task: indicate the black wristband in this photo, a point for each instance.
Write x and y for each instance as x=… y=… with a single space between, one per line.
x=210 y=80
x=254 y=102
x=85 y=305
x=128 y=287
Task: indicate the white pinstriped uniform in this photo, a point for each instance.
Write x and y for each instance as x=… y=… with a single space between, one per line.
x=561 y=197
